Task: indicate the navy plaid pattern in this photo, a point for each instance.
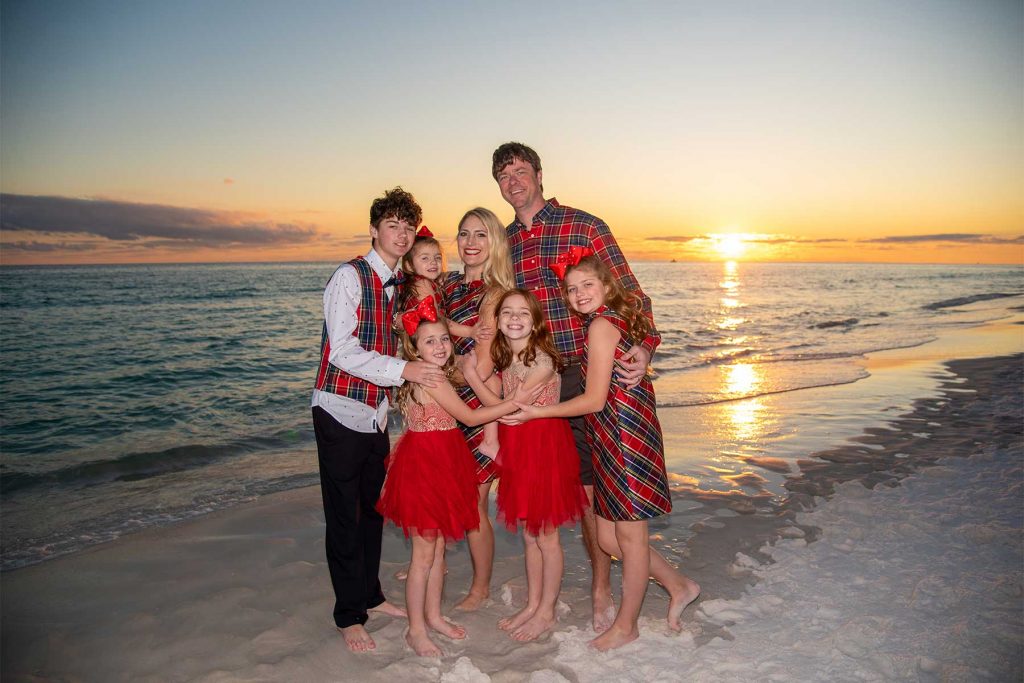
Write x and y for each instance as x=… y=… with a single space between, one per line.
x=556 y=228
x=374 y=332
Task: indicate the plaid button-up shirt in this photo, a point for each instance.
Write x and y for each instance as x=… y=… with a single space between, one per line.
x=534 y=248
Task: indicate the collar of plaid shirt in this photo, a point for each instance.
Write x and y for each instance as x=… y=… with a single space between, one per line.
x=542 y=216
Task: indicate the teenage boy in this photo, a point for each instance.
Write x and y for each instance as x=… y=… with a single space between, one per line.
x=350 y=410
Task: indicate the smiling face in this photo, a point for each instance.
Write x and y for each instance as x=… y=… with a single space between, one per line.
x=584 y=290
x=520 y=186
x=515 y=320
x=426 y=260
x=433 y=343
x=392 y=238
x=474 y=245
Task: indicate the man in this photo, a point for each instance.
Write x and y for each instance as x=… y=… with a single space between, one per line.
x=350 y=410
x=542 y=230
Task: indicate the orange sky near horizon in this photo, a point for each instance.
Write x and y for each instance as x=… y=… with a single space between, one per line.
x=826 y=132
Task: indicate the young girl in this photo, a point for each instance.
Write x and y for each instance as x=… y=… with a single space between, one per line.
x=629 y=458
x=430 y=489
x=423 y=265
x=540 y=471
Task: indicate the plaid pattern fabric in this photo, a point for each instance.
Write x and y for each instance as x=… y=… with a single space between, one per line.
x=556 y=228
x=374 y=332
x=629 y=457
x=462 y=305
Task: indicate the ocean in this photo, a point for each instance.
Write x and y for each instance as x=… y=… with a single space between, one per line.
x=141 y=395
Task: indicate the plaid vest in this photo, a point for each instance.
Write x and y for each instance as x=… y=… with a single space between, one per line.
x=374 y=332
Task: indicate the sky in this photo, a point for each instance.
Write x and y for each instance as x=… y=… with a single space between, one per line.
x=261 y=131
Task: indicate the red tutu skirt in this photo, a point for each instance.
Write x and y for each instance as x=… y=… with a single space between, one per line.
x=540 y=476
x=430 y=488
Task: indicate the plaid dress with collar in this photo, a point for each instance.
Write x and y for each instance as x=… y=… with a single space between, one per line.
x=374 y=332
x=555 y=228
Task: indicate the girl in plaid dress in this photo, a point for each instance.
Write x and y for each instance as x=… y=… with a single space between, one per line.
x=631 y=484
x=430 y=490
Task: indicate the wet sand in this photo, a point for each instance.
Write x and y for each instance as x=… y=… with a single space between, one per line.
x=893 y=551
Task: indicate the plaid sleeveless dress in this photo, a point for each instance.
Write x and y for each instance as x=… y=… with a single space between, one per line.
x=462 y=305
x=629 y=456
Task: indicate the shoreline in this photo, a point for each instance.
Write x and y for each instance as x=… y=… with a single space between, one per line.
x=243 y=593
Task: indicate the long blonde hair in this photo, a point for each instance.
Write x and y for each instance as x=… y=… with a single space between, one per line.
x=497 y=272
x=408 y=352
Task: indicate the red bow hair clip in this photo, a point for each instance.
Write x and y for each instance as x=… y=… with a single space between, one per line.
x=569 y=258
x=424 y=310
x=424 y=231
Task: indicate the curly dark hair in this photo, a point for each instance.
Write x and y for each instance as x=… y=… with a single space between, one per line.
x=540 y=338
x=396 y=203
x=509 y=152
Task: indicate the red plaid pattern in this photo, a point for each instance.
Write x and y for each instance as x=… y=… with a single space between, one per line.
x=556 y=228
x=628 y=453
x=374 y=333
x=462 y=304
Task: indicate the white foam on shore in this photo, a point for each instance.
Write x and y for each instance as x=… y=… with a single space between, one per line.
x=917 y=582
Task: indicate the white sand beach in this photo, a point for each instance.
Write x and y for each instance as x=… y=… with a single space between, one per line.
x=896 y=556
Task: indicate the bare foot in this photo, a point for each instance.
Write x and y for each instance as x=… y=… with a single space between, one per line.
x=537 y=625
x=357 y=639
x=422 y=645
x=447 y=628
x=516 y=620
x=604 y=611
x=489 y=448
x=390 y=610
x=472 y=602
x=613 y=638
x=681 y=595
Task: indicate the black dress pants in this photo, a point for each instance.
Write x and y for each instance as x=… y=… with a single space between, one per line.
x=351 y=477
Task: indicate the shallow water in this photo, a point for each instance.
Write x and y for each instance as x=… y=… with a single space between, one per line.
x=140 y=395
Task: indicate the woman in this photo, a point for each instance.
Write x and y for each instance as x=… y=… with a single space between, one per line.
x=469 y=299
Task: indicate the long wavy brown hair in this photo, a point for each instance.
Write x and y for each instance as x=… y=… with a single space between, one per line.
x=540 y=337
x=408 y=352
x=619 y=299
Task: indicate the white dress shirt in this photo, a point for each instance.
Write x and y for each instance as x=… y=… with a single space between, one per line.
x=341 y=305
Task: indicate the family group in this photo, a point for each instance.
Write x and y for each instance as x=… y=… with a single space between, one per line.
x=530 y=369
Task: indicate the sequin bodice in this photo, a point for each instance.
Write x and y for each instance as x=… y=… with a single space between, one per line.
x=514 y=375
x=429 y=417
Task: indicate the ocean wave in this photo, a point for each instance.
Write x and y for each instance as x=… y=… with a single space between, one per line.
x=964 y=300
x=846 y=322
x=145 y=464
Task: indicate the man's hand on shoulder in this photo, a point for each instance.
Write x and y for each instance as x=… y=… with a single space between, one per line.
x=422 y=372
x=633 y=366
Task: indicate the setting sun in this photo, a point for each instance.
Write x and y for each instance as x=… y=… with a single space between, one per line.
x=729 y=246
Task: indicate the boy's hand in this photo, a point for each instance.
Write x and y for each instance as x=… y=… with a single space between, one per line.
x=422 y=372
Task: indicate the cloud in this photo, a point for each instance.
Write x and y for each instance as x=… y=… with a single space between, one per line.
x=44 y=247
x=676 y=238
x=131 y=222
x=959 y=237
x=766 y=239
x=229 y=181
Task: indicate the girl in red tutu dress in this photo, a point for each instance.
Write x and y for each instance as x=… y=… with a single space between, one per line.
x=631 y=484
x=430 y=488
x=540 y=485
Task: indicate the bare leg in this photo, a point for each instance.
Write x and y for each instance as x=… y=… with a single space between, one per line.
x=630 y=542
x=420 y=569
x=553 y=561
x=600 y=570
x=389 y=609
x=534 y=578
x=435 y=589
x=481 y=550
